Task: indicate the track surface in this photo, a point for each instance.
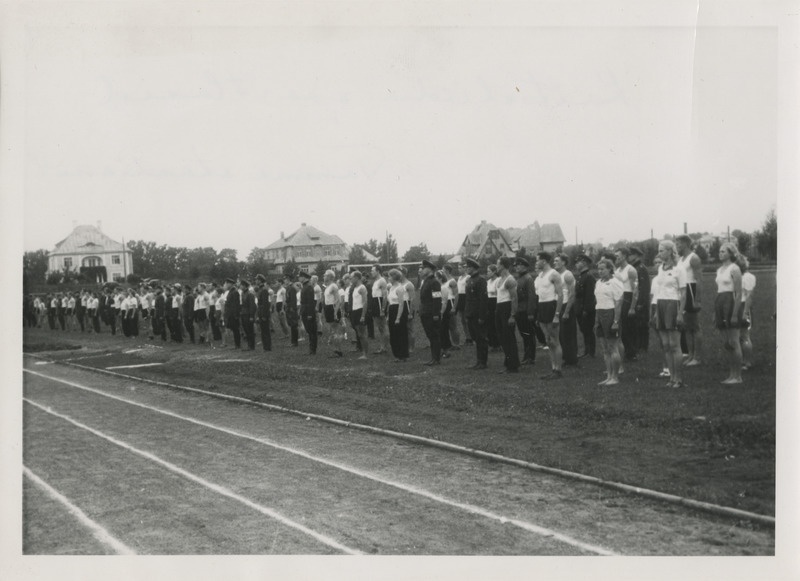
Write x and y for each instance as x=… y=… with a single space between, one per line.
x=157 y=471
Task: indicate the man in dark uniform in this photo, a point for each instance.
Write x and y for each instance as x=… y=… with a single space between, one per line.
x=308 y=311
x=585 y=304
x=642 y=317
x=159 y=314
x=188 y=311
x=290 y=307
x=476 y=311
x=247 y=313
x=109 y=315
x=264 y=312
x=430 y=308
x=233 y=307
x=526 y=310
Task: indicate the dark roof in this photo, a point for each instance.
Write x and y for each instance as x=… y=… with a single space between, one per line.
x=306 y=236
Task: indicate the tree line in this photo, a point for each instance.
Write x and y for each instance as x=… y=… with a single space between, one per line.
x=151 y=260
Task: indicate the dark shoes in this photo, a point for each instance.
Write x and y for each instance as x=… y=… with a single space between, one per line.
x=555 y=374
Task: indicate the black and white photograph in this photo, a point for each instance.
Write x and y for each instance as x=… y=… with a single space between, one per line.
x=399 y=290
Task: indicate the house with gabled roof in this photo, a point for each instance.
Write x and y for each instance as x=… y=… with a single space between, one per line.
x=485 y=240
x=306 y=246
x=535 y=238
x=88 y=250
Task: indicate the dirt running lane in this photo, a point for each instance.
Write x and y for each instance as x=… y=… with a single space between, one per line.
x=368 y=493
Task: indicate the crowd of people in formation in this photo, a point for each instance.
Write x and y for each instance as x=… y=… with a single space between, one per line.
x=547 y=305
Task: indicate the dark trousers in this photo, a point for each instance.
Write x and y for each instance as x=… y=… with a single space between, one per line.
x=96 y=323
x=51 y=320
x=508 y=335
x=370 y=324
x=62 y=321
x=433 y=333
x=291 y=320
x=124 y=324
x=491 y=326
x=478 y=333
x=81 y=316
x=310 y=325
x=111 y=320
x=233 y=325
x=642 y=330
x=444 y=328
x=586 y=325
x=628 y=332
x=159 y=328
x=568 y=336
x=249 y=328
x=526 y=329
x=175 y=327
x=216 y=333
x=188 y=324
x=398 y=332
x=133 y=324
x=266 y=336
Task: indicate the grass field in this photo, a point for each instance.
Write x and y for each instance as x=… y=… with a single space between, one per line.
x=709 y=441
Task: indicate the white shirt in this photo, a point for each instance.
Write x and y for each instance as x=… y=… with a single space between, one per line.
x=503 y=294
x=725 y=278
x=93 y=303
x=377 y=290
x=748 y=285
x=670 y=282
x=331 y=292
x=397 y=294
x=623 y=275
x=343 y=295
x=462 y=284
x=491 y=288
x=281 y=295
x=684 y=262
x=545 y=288
x=608 y=292
x=358 y=299
x=71 y=303
x=317 y=292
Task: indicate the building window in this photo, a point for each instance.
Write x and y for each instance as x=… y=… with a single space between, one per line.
x=117 y=276
x=68 y=262
x=115 y=259
x=304 y=268
x=328 y=250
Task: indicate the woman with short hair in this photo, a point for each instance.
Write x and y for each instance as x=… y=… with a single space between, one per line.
x=670 y=305
x=608 y=293
x=726 y=309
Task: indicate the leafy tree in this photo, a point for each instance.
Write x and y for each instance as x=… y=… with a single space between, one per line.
x=226 y=264
x=34 y=265
x=768 y=236
x=701 y=253
x=291 y=269
x=713 y=250
x=372 y=246
x=356 y=256
x=54 y=277
x=257 y=261
x=417 y=253
x=320 y=269
x=387 y=251
x=743 y=240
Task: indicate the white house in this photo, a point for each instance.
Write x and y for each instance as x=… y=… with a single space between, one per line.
x=88 y=250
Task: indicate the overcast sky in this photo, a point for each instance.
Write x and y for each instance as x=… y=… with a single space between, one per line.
x=225 y=136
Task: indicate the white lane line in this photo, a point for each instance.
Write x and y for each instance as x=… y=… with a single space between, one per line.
x=133 y=350
x=231 y=360
x=194 y=478
x=95 y=356
x=43 y=363
x=132 y=366
x=400 y=486
x=100 y=533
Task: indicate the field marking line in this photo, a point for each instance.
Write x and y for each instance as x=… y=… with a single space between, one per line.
x=133 y=350
x=194 y=478
x=132 y=366
x=98 y=531
x=708 y=507
x=476 y=510
x=87 y=357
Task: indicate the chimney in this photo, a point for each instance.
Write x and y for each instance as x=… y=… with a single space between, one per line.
x=100 y=225
x=303 y=224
